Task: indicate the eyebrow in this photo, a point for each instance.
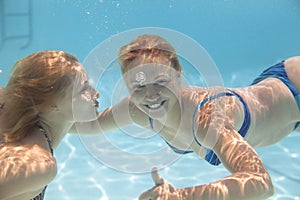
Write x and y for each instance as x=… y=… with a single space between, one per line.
x=135 y=82
x=162 y=76
x=155 y=79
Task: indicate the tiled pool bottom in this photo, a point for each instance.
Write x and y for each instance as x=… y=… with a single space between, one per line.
x=80 y=176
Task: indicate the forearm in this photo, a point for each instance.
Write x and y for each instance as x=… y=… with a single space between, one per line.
x=249 y=180
x=103 y=123
x=109 y=119
x=238 y=186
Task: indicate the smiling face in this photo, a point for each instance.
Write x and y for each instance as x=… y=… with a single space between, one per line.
x=151 y=71
x=153 y=87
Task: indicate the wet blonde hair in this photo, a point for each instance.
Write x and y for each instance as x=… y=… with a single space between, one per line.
x=37 y=81
x=151 y=48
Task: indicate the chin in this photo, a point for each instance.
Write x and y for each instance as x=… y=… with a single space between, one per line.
x=159 y=113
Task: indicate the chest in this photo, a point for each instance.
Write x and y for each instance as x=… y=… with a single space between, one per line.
x=179 y=130
x=178 y=134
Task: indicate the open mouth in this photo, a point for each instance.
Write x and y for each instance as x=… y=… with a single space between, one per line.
x=155 y=106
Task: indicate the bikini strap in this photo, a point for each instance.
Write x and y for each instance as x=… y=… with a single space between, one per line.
x=211 y=157
x=200 y=105
x=41 y=195
x=151 y=122
x=247 y=116
x=297 y=98
x=42 y=130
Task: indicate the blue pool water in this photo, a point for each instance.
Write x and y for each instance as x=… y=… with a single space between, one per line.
x=242 y=38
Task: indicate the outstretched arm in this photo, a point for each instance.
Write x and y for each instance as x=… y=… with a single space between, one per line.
x=249 y=179
x=109 y=119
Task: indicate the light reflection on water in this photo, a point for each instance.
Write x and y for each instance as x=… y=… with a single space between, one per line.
x=80 y=176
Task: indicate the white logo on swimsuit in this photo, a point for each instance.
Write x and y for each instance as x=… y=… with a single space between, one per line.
x=140 y=77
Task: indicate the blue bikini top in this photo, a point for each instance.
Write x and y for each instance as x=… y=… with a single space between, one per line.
x=211 y=157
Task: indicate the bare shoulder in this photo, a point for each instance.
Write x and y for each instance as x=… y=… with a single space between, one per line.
x=30 y=158
x=210 y=114
x=24 y=168
x=193 y=93
x=213 y=102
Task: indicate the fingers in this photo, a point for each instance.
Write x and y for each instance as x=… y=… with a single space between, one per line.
x=157 y=179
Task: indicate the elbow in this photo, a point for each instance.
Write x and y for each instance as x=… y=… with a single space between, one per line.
x=269 y=192
x=266 y=185
x=270 y=187
x=49 y=173
x=257 y=186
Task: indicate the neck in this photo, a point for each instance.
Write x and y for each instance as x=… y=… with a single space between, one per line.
x=172 y=118
x=55 y=126
x=174 y=115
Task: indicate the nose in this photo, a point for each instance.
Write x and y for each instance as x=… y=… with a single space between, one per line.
x=94 y=93
x=151 y=93
x=97 y=95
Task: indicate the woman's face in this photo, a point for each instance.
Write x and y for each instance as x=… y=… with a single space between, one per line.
x=83 y=97
x=153 y=88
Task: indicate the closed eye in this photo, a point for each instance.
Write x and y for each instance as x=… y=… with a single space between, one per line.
x=162 y=81
x=138 y=87
x=84 y=88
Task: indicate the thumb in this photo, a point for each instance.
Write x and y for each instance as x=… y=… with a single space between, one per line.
x=158 y=180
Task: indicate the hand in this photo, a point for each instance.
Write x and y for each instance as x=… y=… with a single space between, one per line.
x=162 y=189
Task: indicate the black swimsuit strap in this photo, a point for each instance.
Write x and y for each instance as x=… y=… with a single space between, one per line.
x=41 y=195
x=47 y=138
